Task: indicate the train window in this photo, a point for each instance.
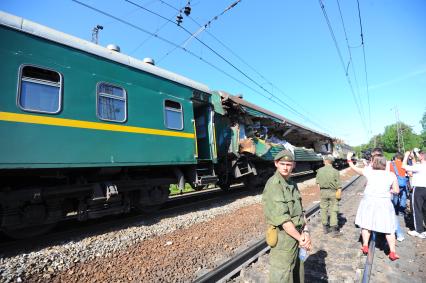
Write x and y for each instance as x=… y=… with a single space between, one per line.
x=39 y=90
x=173 y=115
x=111 y=104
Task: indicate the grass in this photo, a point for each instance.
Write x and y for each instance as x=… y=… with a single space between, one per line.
x=174 y=189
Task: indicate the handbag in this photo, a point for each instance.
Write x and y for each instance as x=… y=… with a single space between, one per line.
x=402 y=181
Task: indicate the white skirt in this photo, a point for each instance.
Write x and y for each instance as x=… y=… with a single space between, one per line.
x=376 y=214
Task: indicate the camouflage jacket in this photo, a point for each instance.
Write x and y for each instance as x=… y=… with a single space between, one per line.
x=282 y=201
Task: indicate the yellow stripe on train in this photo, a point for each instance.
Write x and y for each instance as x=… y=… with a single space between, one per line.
x=34 y=119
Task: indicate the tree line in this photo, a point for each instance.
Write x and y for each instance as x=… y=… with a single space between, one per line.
x=388 y=141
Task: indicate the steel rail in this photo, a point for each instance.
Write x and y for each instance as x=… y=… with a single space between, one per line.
x=234 y=265
x=70 y=228
x=369 y=261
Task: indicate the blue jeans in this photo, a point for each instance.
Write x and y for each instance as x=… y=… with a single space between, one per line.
x=400 y=200
x=399 y=232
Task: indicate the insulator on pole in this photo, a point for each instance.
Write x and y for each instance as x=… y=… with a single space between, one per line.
x=179 y=19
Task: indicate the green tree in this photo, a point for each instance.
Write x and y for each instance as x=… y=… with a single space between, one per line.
x=409 y=139
x=376 y=141
x=423 y=123
x=423 y=134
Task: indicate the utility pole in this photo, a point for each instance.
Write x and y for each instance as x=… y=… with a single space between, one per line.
x=95 y=32
x=399 y=132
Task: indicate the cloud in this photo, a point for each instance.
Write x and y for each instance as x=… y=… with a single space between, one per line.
x=397 y=80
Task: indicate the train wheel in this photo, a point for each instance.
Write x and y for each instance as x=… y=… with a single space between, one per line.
x=151 y=199
x=250 y=182
x=199 y=188
x=28 y=232
x=224 y=184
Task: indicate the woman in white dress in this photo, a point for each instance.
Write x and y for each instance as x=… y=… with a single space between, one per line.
x=375 y=211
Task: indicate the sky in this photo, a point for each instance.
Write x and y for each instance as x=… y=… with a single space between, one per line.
x=294 y=58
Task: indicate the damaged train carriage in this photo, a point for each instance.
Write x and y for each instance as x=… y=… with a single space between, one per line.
x=249 y=137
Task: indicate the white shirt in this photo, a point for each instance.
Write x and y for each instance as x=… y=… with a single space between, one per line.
x=379 y=183
x=419 y=174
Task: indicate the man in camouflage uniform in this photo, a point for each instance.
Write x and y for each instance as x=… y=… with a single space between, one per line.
x=282 y=205
x=328 y=180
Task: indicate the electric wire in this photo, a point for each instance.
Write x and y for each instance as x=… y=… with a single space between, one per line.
x=365 y=65
x=245 y=63
x=229 y=63
x=201 y=27
x=342 y=62
x=158 y=29
x=351 y=62
x=149 y=37
x=275 y=100
x=215 y=18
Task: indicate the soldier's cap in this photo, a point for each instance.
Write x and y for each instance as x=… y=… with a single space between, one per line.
x=285 y=155
x=329 y=157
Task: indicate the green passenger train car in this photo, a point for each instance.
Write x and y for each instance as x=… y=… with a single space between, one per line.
x=88 y=131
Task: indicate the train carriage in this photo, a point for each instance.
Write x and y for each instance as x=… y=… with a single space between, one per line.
x=88 y=131
x=249 y=137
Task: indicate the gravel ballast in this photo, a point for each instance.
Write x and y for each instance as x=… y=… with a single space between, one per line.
x=175 y=248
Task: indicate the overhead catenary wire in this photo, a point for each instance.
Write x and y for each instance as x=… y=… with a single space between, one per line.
x=148 y=38
x=365 y=65
x=343 y=64
x=202 y=28
x=351 y=62
x=245 y=63
x=158 y=29
x=292 y=109
x=275 y=100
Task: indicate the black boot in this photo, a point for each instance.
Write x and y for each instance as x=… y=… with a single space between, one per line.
x=335 y=231
x=325 y=229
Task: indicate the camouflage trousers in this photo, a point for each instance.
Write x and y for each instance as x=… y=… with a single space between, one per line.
x=285 y=265
x=329 y=206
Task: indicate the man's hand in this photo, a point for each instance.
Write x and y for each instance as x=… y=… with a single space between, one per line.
x=349 y=155
x=305 y=241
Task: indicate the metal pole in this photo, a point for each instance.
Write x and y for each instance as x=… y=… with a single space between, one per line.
x=95 y=33
x=400 y=130
x=397 y=128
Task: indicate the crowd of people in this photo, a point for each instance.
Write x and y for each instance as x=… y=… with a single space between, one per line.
x=390 y=184
x=402 y=178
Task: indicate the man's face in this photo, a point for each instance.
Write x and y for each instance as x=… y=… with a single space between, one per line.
x=285 y=167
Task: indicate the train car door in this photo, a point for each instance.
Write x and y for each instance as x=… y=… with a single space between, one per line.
x=204 y=127
x=202 y=119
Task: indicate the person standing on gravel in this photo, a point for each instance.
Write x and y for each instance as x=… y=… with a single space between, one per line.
x=328 y=181
x=418 y=196
x=282 y=205
x=375 y=211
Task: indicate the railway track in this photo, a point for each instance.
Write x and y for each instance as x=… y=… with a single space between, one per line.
x=233 y=266
x=177 y=236
x=69 y=229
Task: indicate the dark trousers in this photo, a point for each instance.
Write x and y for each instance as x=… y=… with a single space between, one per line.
x=418 y=199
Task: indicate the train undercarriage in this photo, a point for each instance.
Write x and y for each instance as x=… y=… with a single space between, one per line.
x=27 y=209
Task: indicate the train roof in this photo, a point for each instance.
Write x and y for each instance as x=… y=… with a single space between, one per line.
x=278 y=118
x=38 y=30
